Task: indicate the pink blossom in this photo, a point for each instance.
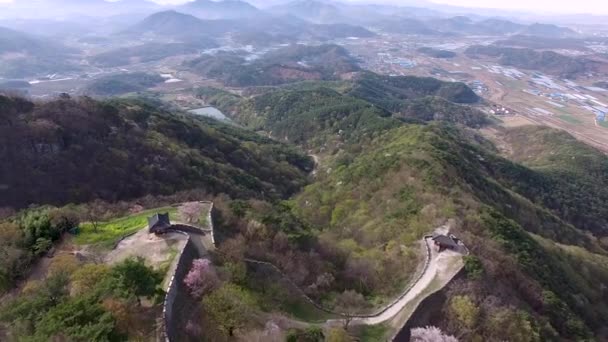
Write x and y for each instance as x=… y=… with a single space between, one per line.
x=202 y=278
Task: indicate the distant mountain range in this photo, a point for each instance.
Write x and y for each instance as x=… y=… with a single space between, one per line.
x=405 y=26
x=545 y=61
x=426 y=19
x=15 y=41
x=466 y=26
x=24 y=55
x=312 y=10
x=550 y=31
x=226 y=9
x=71 y=8
x=173 y=23
x=535 y=42
x=261 y=30
x=150 y=52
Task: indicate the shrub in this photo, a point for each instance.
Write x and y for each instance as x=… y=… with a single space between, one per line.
x=473 y=266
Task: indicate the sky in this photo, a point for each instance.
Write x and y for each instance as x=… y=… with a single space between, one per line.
x=538 y=6
x=541 y=6
x=558 y=6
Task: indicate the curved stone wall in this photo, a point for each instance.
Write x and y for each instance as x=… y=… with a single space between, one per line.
x=177 y=297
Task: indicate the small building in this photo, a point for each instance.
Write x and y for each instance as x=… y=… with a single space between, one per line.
x=444 y=242
x=159 y=223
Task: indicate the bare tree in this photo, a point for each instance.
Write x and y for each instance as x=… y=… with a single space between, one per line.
x=349 y=303
x=95 y=212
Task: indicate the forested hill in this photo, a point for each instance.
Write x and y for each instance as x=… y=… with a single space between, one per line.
x=76 y=150
x=527 y=245
x=15 y=41
x=533 y=219
x=530 y=223
x=286 y=65
x=312 y=117
x=315 y=113
x=392 y=92
x=23 y=55
x=546 y=61
x=575 y=175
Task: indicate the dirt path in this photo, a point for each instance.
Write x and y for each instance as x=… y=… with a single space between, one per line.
x=440 y=269
x=155 y=249
x=316 y=159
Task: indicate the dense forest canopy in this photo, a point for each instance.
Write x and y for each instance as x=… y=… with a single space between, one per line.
x=285 y=65
x=393 y=92
x=390 y=181
x=123 y=149
x=118 y=84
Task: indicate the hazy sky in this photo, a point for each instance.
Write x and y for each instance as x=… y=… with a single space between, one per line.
x=562 y=6
x=541 y=6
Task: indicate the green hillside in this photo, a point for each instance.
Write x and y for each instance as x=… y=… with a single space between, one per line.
x=573 y=179
x=122 y=83
x=433 y=108
x=399 y=184
x=313 y=113
x=122 y=149
x=312 y=117
x=390 y=182
x=32 y=56
x=148 y=52
x=399 y=157
x=285 y=65
x=413 y=177
x=393 y=92
x=544 y=61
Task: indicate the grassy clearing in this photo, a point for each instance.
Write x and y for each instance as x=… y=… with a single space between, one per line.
x=570 y=119
x=603 y=123
x=203 y=219
x=275 y=295
x=372 y=333
x=166 y=266
x=108 y=232
x=304 y=311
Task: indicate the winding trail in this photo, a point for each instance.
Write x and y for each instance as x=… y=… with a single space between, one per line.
x=316 y=159
x=438 y=270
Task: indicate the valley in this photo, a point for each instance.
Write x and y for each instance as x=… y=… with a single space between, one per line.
x=573 y=105
x=301 y=171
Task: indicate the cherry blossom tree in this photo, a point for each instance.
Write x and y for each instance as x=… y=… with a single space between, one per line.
x=191 y=211
x=202 y=278
x=431 y=334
